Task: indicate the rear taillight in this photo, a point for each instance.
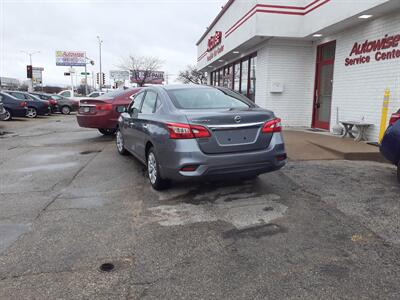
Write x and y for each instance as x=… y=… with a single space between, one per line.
x=272 y=126
x=24 y=104
x=105 y=106
x=395 y=117
x=186 y=131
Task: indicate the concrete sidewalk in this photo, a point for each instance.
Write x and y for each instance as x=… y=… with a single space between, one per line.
x=304 y=145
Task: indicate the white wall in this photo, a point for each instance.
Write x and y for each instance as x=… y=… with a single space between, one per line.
x=292 y=64
x=358 y=90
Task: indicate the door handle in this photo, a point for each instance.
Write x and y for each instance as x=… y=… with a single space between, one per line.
x=145 y=126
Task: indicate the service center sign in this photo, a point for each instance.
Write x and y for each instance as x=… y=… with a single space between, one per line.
x=386 y=48
x=70 y=58
x=214 y=42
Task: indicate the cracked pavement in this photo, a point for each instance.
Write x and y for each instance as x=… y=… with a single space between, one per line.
x=69 y=203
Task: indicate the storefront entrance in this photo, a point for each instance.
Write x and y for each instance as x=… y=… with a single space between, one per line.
x=323 y=85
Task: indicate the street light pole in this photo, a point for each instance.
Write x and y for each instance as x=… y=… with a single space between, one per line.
x=101 y=74
x=30 y=89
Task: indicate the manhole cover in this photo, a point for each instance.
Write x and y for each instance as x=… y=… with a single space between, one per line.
x=107 y=267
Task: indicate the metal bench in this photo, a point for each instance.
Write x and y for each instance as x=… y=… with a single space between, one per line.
x=361 y=130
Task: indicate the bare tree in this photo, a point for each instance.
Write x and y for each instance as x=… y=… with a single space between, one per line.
x=192 y=75
x=141 y=67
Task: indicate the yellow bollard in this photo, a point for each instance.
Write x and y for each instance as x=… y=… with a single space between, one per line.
x=385 y=108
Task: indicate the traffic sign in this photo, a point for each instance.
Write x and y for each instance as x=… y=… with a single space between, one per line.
x=85 y=73
x=67 y=74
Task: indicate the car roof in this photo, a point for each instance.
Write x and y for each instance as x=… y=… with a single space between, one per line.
x=184 y=86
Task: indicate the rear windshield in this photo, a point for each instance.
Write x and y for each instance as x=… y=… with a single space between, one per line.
x=206 y=98
x=113 y=94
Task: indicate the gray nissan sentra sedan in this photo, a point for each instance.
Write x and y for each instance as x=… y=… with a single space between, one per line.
x=188 y=131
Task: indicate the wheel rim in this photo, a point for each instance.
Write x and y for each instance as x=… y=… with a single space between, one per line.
x=120 y=141
x=65 y=110
x=152 y=168
x=8 y=115
x=31 y=113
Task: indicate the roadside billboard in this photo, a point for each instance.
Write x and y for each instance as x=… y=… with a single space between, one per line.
x=70 y=58
x=155 y=77
x=119 y=75
x=37 y=75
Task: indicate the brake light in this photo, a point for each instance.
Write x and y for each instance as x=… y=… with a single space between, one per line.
x=105 y=106
x=272 y=126
x=395 y=117
x=186 y=131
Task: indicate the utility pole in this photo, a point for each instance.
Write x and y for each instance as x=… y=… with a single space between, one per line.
x=101 y=77
x=30 y=89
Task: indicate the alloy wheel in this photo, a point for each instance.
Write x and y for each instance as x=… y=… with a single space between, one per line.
x=65 y=110
x=32 y=113
x=7 y=116
x=120 y=141
x=152 y=168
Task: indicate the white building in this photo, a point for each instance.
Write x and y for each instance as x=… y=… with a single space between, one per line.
x=308 y=59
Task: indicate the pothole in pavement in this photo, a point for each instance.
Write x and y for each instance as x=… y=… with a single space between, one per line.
x=89 y=152
x=107 y=267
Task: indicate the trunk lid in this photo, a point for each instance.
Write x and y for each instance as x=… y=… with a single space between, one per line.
x=232 y=130
x=93 y=106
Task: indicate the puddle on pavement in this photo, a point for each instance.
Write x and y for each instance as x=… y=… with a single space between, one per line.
x=9 y=233
x=242 y=213
x=254 y=232
x=48 y=167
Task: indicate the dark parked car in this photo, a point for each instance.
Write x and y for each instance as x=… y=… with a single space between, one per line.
x=59 y=103
x=183 y=132
x=14 y=107
x=36 y=106
x=102 y=112
x=390 y=144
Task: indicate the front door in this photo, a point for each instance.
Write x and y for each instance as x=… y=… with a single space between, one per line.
x=323 y=85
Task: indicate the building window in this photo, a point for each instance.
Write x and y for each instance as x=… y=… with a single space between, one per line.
x=236 y=77
x=244 y=77
x=239 y=76
x=252 y=78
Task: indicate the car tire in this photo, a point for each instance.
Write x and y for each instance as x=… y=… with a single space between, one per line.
x=65 y=110
x=398 y=171
x=119 y=140
x=31 y=113
x=107 y=131
x=153 y=172
x=7 y=115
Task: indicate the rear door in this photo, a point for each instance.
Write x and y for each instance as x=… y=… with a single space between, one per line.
x=144 y=122
x=129 y=130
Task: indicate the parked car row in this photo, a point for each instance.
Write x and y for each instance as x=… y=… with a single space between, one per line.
x=31 y=105
x=390 y=144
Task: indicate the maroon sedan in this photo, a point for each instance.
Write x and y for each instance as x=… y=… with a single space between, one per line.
x=102 y=112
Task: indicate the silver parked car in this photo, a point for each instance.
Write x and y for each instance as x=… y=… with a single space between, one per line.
x=183 y=132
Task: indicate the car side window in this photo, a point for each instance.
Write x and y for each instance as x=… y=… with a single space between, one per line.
x=137 y=102
x=18 y=95
x=149 y=102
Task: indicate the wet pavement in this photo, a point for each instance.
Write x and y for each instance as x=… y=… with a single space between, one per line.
x=69 y=203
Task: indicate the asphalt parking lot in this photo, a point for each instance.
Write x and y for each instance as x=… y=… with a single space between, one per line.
x=69 y=203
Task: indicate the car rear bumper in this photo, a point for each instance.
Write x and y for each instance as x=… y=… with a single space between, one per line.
x=218 y=166
x=96 y=121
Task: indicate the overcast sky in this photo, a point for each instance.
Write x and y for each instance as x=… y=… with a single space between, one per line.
x=168 y=29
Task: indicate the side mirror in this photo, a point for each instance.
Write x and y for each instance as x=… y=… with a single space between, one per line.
x=121 y=109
